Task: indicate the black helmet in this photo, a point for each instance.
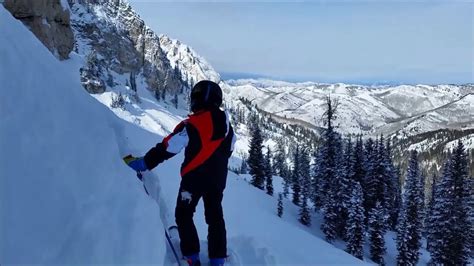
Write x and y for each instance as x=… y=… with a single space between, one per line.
x=205 y=94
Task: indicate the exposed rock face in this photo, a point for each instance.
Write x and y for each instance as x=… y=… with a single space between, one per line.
x=48 y=20
x=118 y=43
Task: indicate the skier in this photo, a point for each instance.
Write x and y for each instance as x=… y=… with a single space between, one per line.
x=208 y=139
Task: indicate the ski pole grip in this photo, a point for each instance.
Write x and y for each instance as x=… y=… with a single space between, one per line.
x=127 y=159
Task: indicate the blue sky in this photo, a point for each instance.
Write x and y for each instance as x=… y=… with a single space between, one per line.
x=327 y=41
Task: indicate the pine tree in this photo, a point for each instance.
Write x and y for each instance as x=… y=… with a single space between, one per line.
x=268 y=173
x=431 y=225
x=305 y=179
x=280 y=205
x=243 y=166
x=305 y=176
x=394 y=213
x=452 y=213
x=319 y=183
x=305 y=217
x=345 y=181
x=280 y=158
x=286 y=181
x=256 y=160
x=367 y=184
x=376 y=234
x=296 y=177
x=174 y=101
x=359 y=170
x=358 y=165
x=355 y=229
x=391 y=186
x=375 y=177
x=409 y=240
x=328 y=177
x=402 y=238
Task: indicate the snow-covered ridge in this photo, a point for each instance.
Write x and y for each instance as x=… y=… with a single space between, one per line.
x=368 y=110
x=193 y=67
x=423 y=117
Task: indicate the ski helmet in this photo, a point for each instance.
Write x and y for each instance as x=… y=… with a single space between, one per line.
x=205 y=94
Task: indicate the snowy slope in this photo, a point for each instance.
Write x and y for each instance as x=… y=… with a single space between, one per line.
x=67 y=198
x=418 y=117
x=406 y=110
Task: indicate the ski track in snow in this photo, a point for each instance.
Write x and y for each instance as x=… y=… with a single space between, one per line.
x=236 y=245
x=153 y=187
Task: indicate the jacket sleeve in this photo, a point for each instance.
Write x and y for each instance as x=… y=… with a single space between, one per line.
x=169 y=147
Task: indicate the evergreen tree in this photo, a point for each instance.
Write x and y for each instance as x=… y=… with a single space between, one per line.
x=355 y=229
x=402 y=238
x=319 y=184
x=279 y=163
x=296 y=177
x=256 y=160
x=375 y=177
x=305 y=177
x=331 y=219
x=243 y=166
x=376 y=234
x=409 y=239
x=358 y=165
x=286 y=181
x=431 y=225
x=268 y=173
x=280 y=205
x=367 y=183
x=452 y=212
x=304 y=168
x=305 y=217
x=328 y=177
x=346 y=173
x=118 y=101
x=394 y=212
x=174 y=101
x=392 y=188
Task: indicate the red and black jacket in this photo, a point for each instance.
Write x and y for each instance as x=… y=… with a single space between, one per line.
x=208 y=139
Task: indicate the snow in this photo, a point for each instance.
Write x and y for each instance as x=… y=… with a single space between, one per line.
x=468 y=142
x=370 y=110
x=65 y=5
x=67 y=197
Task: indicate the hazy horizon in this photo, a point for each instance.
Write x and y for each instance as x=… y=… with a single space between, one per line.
x=363 y=42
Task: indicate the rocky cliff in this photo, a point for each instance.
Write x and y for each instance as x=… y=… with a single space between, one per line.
x=48 y=20
x=119 y=46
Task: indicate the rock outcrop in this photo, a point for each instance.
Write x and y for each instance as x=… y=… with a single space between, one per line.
x=117 y=42
x=48 y=20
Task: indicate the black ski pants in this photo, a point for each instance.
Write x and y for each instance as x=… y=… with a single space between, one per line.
x=185 y=208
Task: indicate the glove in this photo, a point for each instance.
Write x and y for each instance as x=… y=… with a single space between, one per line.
x=137 y=164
